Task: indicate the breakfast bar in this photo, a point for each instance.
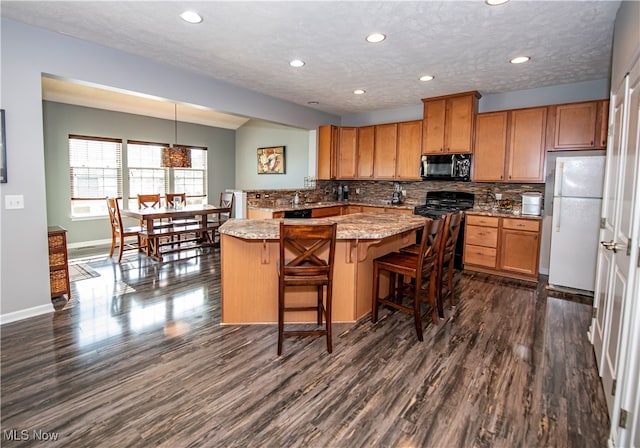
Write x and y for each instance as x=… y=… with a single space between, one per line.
x=250 y=250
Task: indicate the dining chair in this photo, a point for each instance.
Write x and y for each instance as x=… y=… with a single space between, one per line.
x=119 y=232
x=217 y=219
x=419 y=269
x=306 y=258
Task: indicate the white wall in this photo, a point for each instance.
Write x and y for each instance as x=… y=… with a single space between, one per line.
x=28 y=52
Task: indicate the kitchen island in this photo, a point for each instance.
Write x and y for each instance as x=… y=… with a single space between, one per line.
x=250 y=250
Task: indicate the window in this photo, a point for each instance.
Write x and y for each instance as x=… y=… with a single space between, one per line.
x=193 y=181
x=95 y=166
x=146 y=173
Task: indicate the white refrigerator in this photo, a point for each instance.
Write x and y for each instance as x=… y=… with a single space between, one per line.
x=577 y=199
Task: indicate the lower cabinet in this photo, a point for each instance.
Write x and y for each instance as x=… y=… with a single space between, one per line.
x=503 y=246
x=326 y=211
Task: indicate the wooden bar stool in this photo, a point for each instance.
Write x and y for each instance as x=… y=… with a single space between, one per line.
x=306 y=259
x=452 y=222
x=447 y=256
x=417 y=267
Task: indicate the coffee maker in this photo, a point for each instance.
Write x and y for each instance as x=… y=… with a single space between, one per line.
x=396 y=197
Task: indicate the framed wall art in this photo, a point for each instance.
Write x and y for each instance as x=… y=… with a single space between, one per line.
x=271 y=160
x=3 y=150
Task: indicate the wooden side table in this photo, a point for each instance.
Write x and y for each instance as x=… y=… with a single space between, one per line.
x=58 y=262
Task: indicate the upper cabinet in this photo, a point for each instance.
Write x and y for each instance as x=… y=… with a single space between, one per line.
x=510 y=146
x=384 y=153
x=327 y=152
x=409 y=150
x=526 y=154
x=490 y=152
x=365 y=152
x=448 y=123
x=578 y=126
x=347 y=152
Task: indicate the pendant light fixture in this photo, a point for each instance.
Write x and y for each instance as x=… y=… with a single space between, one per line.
x=176 y=156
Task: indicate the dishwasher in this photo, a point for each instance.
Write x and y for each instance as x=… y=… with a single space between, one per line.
x=304 y=213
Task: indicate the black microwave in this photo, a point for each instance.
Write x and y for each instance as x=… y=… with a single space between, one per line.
x=446 y=167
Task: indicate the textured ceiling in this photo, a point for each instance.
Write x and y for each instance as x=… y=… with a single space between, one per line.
x=466 y=45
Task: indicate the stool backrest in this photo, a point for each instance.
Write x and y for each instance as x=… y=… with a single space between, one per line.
x=302 y=250
x=453 y=222
x=430 y=245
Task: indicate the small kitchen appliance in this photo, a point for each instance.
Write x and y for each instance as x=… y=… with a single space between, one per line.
x=532 y=204
x=396 y=197
x=452 y=167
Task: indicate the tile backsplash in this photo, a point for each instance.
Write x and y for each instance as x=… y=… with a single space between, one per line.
x=380 y=192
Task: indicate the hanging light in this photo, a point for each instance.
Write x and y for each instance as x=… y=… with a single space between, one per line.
x=176 y=156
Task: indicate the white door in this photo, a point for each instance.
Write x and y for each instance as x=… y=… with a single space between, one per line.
x=627 y=395
x=614 y=296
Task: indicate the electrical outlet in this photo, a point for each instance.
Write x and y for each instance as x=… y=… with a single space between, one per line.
x=357 y=191
x=13 y=201
x=404 y=192
x=498 y=196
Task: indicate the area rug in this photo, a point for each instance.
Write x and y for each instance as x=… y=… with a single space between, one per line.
x=81 y=271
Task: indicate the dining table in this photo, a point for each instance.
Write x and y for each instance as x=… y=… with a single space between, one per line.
x=163 y=228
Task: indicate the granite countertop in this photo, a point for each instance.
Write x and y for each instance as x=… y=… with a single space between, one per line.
x=324 y=204
x=365 y=226
x=500 y=214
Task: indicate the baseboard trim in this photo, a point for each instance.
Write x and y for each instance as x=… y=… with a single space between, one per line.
x=25 y=314
x=84 y=244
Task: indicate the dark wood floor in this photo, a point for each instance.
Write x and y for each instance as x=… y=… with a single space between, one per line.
x=140 y=359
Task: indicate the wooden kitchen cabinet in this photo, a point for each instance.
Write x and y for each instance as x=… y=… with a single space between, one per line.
x=490 y=152
x=326 y=211
x=503 y=246
x=409 y=149
x=481 y=241
x=578 y=126
x=526 y=149
x=327 y=152
x=448 y=123
x=365 y=152
x=349 y=209
x=384 y=153
x=510 y=146
x=347 y=152
x=520 y=246
x=58 y=262
x=602 y=124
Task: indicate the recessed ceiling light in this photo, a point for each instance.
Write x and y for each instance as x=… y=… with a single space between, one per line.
x=359 y=92
x=495 y=2
x=296 y=63
x=426 y=78
x=191 y=17
x=520 y=59
x=374 y=38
